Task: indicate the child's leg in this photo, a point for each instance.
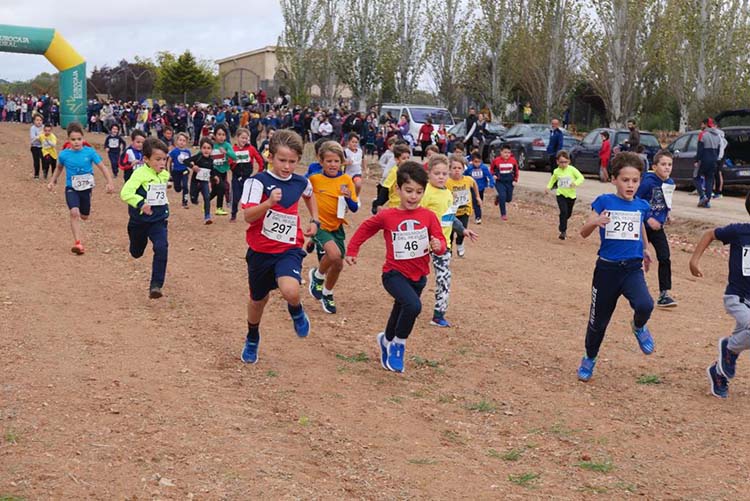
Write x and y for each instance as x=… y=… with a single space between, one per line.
x=52 y=166
x=475 y=205
x=205 y=191
x=36 y=155
x=562 y=204
x=407 y=305
x=465 y=221
x=138 y=234
x=218 y=192
x=357 y=184
x=605 y=290
x=478 y=206
x=634 y=288
x=126 y=174
x=287 y=271
x=183 y=181
x=331 y=264
x=45 y=165
x=509 y=191
x=236 y=194
x=113 y=161
x=661 y=245
x=739 y=341
x=502 y=196
x=442 y=265
x=157 y=233
x=194 y=189
x=571 y=203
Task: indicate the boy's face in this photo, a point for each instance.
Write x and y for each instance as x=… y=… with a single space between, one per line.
x=410 y=194
x=353 y=144
x=38 y=121
x=457 y=170
x=428 y=153
x=627 y=182
x=284 y=161
x=243 y=139
x=157 y=160
x=220 y=135
x=476 y=162
x=168 y=134
x=438 y=175
x=47 y=130
x=138 y=142
x=404 y=157
x=206 y=149
x=115 y=130
x=331 y=163
x=505 y=153
x=181 y=142
x=76 y=140
x=663 y=168
x=563 y=162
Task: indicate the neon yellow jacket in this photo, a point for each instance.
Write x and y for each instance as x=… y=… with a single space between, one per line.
x=570 y=172
x=135 y=190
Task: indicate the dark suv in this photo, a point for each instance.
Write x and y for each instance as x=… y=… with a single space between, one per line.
x=585 y=156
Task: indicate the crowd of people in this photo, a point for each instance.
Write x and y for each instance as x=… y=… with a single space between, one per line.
x=21 y=108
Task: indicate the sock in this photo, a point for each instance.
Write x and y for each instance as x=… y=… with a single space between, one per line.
x=437 y=314
x=77 y=242
x=327 y=291
x=253 y=333
x=318 y=275
x=399 y=340
x=295 y=311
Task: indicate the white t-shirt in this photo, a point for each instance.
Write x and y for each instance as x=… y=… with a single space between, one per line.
x=325 y=129
x=355 y=169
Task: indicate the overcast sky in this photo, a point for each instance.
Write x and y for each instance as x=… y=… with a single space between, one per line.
x=104 y=33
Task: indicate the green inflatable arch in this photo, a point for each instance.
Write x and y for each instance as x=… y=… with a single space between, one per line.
x=72 y=67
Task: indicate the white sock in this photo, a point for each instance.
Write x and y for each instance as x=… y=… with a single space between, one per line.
x=398 y=340
x=327 y=292
x=318 y=275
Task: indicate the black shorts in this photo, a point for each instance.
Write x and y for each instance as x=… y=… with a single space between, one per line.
x=263 y=270
x=80 y=200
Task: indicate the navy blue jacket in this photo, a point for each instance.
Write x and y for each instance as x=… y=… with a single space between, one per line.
x=555 y=141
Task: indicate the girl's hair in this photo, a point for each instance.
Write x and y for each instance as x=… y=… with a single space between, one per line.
x=352 y=135
x=152 y=144
x=437 y=160
x=242 y=130
x=36 y=115
x=331 y=147
x=182 y=134
x=205 y=140
x=605 y=134
x=458 y=158
x=411 y=171
x=563 y=154
x=74 y=127
x=286 y=139
x=136 y=133
x=221 y=127
x=320 y=143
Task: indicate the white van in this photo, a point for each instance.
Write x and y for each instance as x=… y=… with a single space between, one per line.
x=417 y=114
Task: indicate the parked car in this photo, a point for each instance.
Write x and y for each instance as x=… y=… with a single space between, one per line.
x=585 y=156
x=528 y=143
x=492 y=131
x=736 y=165
x=418 y=115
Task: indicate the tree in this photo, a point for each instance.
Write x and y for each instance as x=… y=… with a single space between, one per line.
x=327 y=51
x=301 y=18
x=443 y=47
x=178 y=78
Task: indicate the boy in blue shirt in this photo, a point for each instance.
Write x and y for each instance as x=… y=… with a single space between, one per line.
x=657 y=188
x=115 y=145
x=623 y=256
x=176 y=166
x=736 y=299
x=481 y=174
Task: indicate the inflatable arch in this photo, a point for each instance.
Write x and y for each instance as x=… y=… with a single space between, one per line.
x=57 y=50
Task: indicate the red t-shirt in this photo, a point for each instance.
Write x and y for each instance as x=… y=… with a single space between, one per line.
x=503 y=168
x=425 y=132
x=411 y=230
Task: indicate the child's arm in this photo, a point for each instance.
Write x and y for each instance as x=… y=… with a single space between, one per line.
x=58 y=171
x=108 y=176
x=460 y=229
x=229 y=150
x=128 y=192
x=708 y=237
x=259 y=210
x=489 y=177
x=366 y=229
x=646 y=254
x=552 y=181
x=312 y=208
x=516 y=172
x=594 y=221
x=578 y=178
x=475 y=188
x=438 y=245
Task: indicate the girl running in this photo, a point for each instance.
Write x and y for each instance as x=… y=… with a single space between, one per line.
x=567 y=178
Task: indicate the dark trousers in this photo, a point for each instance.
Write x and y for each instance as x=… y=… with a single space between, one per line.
x=48 y=165
x=126 y=174
x=707 y=170
x=465 y=221
x=424 y=145
x=406 y=306
x=659 y=240
x=181 y=180
x=477 y=204
x=202 y=188
x=140 y=234
x=219 y=189
x=504 y=195
x=36 y=154
x=565 y=205
x=114 y=161
x=612 y=280
x=237 y=184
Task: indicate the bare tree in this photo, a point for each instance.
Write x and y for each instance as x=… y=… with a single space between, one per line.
x=301 y=20
x=445 y=33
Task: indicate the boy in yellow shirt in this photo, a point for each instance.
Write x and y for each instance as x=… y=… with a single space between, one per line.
x=461 y=187
x=49 y=150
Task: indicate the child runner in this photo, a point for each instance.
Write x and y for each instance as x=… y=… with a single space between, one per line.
x=439 y=200
x=201 y=165
x=429 y=151
x=387 y=161
x=221 y=150
x=35 y=131
x=353 y=161
x=132 y=158
x=461 y=187
x=49 y=151
x=114 y=145
x=334 y=193
x=270 y=202
x=316 y=167
x=146 y=195
x=76 y=161
x=482 y=176
x=623 y=256
x=388 y=196
x=176 y=159
x=410 y=233
x=736 y=299
x=657 y=188
x=505 y=170
x=242 y=169
x=567 y=178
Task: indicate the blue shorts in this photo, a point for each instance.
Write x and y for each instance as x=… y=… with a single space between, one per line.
x=263 y=270
x=80 y=200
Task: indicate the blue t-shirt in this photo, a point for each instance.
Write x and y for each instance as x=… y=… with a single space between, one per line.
x=651 y=190
x=481 y=175
x=622 y=239
x=314 y=168
x=738 y=238
x=179 y=155
x=78 y=162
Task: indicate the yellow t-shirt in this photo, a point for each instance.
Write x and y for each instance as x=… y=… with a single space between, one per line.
x=440 y=201
x=462 y=192
x=390 y=182
x=48 y=145
x=327 y=191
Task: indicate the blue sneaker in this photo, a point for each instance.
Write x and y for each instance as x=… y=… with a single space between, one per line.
x=586 y=370
x=395 y=360
x=250 y=353
x=719 y=384
x=727 y=359
x=643 y=336
x=316 y=285
x=302 y=325
x=440 y=322
x=383 y=351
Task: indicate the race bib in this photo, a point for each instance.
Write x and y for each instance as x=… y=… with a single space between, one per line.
x=243 y=157
x=477 y=174
x=203 y=174
x=341 y=207
x=410 y=244
x=746 y=261
x=461 y=198
x=156 y=195
x=564 y=182
x=280 y=227
x=113 y=143
x=218 y=156
x=623 y=225
x=82 y=182
x=668 y=190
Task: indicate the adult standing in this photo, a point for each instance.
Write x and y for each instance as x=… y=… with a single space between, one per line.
x=719 y=186
x=425 y=136
x=634 y=136
x=709 y=145
x=471 y=129
x=198 y=118
x=555 y=143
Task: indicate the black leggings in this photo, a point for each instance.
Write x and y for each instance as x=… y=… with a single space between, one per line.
x=219 y=190
x=424 y=145
x=658 y=239
x=36 y=154
x=406 y=303
x=465 y=221
x=48 y=165
x=566 y=210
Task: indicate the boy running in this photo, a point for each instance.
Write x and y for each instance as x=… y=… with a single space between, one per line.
x=505 y=170
x=567 y=178
x=482 y=176
x=49 y=151
x=176 y=159
x=353 y=161
x=114 y=145
x=462 y=187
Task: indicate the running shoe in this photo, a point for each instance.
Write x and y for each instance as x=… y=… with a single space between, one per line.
x=395 y=360
x=302 y=325
x=461 y=250
x=316 y=285
x=329 y=305
x=221 y=212
x=155 y=292
x=250 y=353
x=77 y=248
x=383 y=351
x=665 y=300
x=719 y=384
x=185 y=205
x=586 y=370
x=310 y=246
x=504 y=217
x=727 y=359
x=644 y=338
x=562 y=235
x=478 y=220
x=716 y=196
x=439 y=322
x=207 y=220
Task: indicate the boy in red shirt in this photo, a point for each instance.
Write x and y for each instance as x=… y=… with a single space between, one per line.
x=410 y=233
x=505 y=170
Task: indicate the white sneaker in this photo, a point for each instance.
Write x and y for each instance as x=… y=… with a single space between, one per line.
x=461 y=250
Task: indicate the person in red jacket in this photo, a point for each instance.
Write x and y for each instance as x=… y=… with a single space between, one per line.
x=604 y=153
x=425 y=136
x=411 y=232
x=505 y=170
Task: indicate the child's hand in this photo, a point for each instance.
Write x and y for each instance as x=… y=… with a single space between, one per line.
x=51 y=185
x=215 y=180
x=435 y=244
x=346 y=192
x=195 y=168
x=670 y=219
x=653 y=224
x=312 y=229
x=275 y=196
x=110 y=188
x=472 y=235
x=515 y=183
x=602 y=220
x=146 y=209
x=695 y=269
x=351 y=260
x=646 y=260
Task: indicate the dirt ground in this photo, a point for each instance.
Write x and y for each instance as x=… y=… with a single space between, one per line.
x=105 y=394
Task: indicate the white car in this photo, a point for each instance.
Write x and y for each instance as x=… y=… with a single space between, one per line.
x=418 y=115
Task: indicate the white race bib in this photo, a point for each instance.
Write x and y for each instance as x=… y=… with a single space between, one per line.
x=623 y=225
x=203 y=174
x=157 y=195
x=746 y=261
x=668 y=190
x=564 y=182
x=341 y=207
x=243 y=157
x=114 y=143
x=461 y=198
x=410 y=244
x=280 y=227
x=82 y=182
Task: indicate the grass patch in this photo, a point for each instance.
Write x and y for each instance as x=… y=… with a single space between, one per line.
x=482 y=406
x=446 y=399
x=649 y=379
x=424 y=362
x=626 y=486
x=272 y=373
x=561 y=430
x=594 y=489
x=11 y=437
x=5 y=497
x=395 y=399
x=304 y=420
x=422 y=461
x=342 y=369
x=511 y=455
x=524 y=479
x=453 y=437
x=359 y=357
x=604 y=467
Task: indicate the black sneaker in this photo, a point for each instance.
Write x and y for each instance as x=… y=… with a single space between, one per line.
x=665 y=300
x=329 y=305
x=727 y=363
x=155 y=292
x=719 y=384
x=562 y=235
x=316 y=285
